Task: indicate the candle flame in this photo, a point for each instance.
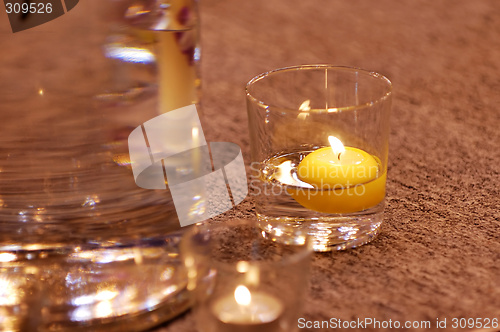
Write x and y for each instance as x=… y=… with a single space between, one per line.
x=337 y=146
x=242 y=295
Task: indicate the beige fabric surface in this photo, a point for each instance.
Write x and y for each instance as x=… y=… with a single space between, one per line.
x=439 y=251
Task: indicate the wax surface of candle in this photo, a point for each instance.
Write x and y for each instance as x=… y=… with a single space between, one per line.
x=325 y=169
x=347 y=183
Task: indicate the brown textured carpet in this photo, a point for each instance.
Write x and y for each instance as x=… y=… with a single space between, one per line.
x=438 y=255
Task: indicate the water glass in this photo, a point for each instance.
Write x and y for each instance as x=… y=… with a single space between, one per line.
x=242 y=279
x=319 y=141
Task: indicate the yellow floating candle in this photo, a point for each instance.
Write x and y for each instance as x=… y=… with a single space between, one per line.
x=344 y=180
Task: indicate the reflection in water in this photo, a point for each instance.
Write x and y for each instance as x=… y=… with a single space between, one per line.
x=9 y=294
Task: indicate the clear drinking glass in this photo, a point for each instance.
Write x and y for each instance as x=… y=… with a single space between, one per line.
x=319 y=142
x=71 y=91
x=243 y=279
x=103 y=289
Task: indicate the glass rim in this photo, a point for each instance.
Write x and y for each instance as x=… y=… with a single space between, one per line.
x=305 y=250
x=51 y=251
x=273 y=72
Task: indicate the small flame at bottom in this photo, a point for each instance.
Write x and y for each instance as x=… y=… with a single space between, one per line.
x=242 y=295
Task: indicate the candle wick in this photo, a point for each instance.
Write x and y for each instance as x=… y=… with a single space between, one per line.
x=339 y=155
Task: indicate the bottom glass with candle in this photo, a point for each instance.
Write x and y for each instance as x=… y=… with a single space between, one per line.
x=244 y=280
x=119 y=288
x=319 y=140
